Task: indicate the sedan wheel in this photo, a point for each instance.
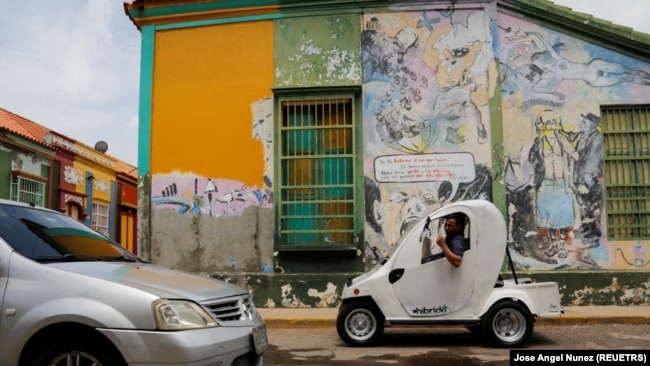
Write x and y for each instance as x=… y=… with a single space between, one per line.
x=78 y=351
x=75 y=358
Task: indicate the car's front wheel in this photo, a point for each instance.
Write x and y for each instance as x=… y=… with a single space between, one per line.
x=507 y=324
x=78 y=352
x=360 y=324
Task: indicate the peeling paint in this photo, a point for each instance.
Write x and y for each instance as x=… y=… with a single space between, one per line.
x=327 y=297
x=290 y=300
x=269 y=303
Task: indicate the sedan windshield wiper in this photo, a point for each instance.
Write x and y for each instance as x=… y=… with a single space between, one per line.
x=117 y=258
x=65 y=258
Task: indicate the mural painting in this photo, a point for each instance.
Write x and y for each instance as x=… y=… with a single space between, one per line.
x=553 y=86
x=428 y=78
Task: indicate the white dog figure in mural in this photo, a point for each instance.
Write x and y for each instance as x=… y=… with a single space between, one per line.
x=463 y=58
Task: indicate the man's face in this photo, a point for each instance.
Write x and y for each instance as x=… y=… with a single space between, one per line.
x=451 y=227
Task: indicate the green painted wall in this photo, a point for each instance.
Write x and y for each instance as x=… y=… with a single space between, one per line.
x=5 y=174
x=318 y=51
x=577 y=288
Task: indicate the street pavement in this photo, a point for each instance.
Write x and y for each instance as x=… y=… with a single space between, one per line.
x=573 y=315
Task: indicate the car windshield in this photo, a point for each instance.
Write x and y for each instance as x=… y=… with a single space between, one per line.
x=47 y=236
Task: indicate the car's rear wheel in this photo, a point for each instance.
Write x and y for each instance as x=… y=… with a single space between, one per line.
x=507 y=324
x=78 y=352
x=360 y=324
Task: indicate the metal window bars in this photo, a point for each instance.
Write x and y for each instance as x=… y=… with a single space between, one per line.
x=626 y=145
x=317 y=157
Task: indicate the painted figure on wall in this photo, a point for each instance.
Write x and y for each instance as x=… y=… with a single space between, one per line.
x=391 y=211
x=588 y=176
x=535 y=68
x=555 y=190
x=462 y=58
x=390 y=65
x=554 y=210
x=429 y=85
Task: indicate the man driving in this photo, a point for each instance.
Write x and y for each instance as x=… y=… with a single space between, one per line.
x=453 y=244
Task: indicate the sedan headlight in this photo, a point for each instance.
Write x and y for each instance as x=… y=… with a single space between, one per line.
x=180 y=315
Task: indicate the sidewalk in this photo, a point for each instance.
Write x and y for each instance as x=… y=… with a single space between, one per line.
x=573 y=315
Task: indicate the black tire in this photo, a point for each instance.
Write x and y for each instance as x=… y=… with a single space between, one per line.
x=360 y=324
x=89 y=351
x=507 y=324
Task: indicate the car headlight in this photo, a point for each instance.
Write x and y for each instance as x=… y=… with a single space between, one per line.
x=180 y=315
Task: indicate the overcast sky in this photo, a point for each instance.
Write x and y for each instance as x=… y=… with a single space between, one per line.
x=73 y=66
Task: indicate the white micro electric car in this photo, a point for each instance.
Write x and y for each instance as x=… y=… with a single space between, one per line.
x=416 y=285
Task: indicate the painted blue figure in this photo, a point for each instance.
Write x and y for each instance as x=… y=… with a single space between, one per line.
x=554 y=211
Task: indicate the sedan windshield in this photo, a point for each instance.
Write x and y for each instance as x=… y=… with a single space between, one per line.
x=47 y=236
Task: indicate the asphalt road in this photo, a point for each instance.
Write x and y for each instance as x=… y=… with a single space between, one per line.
x=449 y=346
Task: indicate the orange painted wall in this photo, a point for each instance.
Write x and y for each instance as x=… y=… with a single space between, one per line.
x=204 y=82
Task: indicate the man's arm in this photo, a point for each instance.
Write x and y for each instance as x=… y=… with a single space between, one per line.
x=452 y=257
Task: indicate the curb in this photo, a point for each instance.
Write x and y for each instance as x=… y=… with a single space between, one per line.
x=299 y=323
x=564 y=320
x=584 y=320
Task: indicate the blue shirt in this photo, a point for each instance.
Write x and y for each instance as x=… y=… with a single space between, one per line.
x=456 y=243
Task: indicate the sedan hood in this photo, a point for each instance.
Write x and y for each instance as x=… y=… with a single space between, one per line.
x=157 y=280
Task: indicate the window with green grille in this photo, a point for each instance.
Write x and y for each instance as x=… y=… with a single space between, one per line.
x=626 y=146
x=316 y=185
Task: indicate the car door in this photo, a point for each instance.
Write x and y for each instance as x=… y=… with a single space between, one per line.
x=428 y=285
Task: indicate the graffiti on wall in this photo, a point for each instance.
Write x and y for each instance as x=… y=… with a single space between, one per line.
x=189 y=194
x=428 y=78
x=553 y=87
